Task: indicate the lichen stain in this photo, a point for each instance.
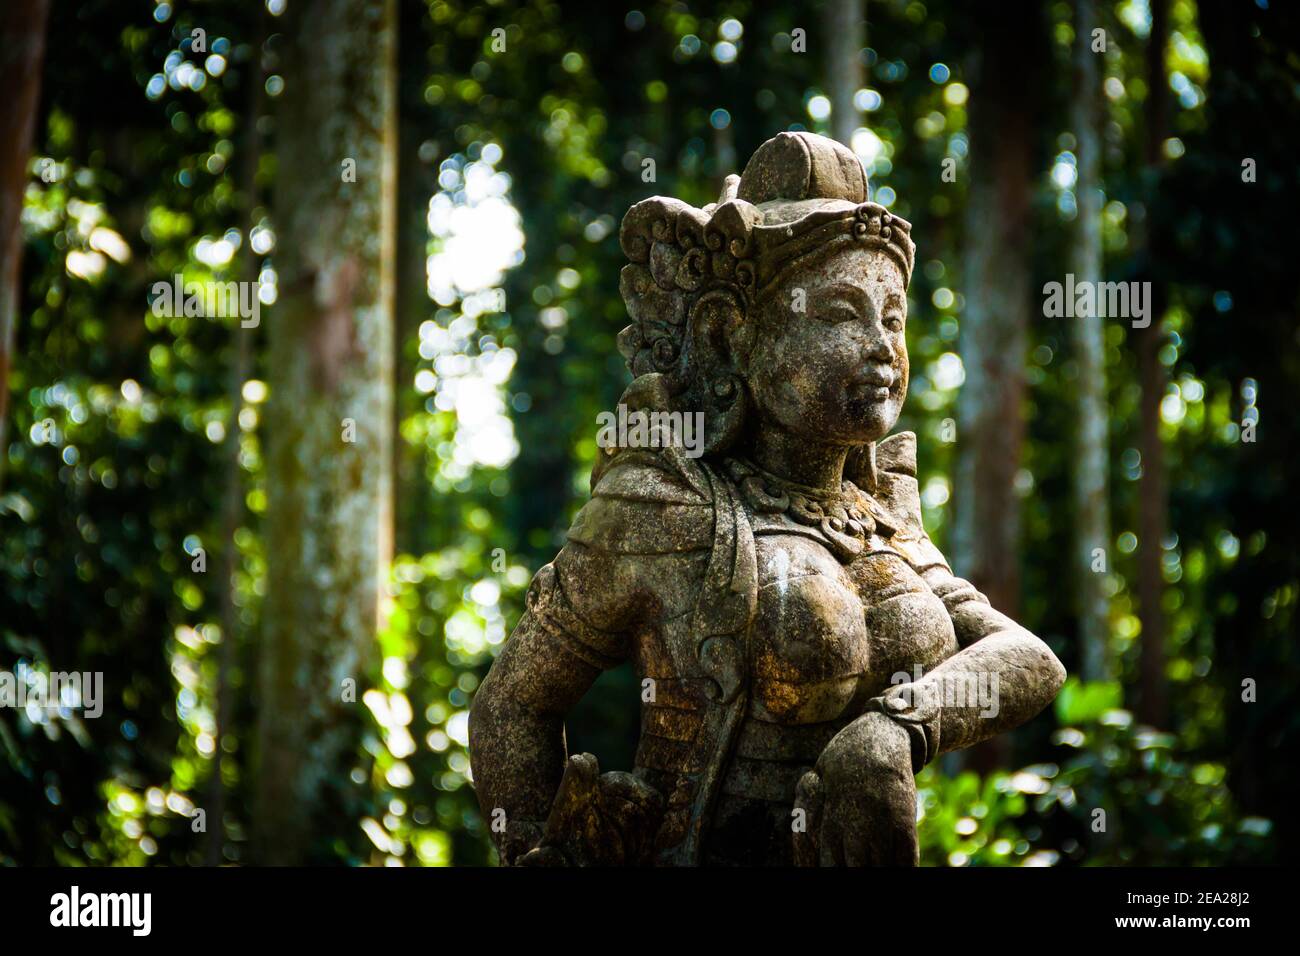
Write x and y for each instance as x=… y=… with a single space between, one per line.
x=335 y=340
x=780 y=567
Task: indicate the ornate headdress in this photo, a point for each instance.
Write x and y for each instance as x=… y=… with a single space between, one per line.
x=801 y=195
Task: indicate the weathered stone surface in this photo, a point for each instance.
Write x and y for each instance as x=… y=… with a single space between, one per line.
x=804 y=648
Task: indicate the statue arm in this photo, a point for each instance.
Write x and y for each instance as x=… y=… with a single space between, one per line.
x=648 y=523
x=570 y=632
x=1014 y=672
x=1001 y=677
x=860 y=799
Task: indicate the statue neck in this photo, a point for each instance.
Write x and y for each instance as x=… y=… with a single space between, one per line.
x=799 y=459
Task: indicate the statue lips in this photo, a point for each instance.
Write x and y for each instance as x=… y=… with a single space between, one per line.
x=874 y=383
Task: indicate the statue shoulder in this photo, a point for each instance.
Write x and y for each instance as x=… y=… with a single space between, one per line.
x=899 y=497
x=624 y=556
x=897 y=454
x=647 y=501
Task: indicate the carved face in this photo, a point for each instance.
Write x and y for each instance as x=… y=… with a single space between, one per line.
x=837 y=370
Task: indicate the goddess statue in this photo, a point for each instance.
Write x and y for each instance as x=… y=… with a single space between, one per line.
x=803 y=648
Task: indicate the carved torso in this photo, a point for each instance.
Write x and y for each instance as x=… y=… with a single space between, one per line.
x=828 y=636
x=828 y=630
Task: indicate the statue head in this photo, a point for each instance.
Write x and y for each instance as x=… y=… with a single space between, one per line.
x=782 y=305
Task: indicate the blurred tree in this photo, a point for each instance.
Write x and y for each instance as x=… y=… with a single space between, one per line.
x=994 y=330
x=22 y=51
x=845 y=39
x=329 y=423
x=1153 y=506
x=990 y=424
x=1088 y=338
x=416 y=183
x=233 y=501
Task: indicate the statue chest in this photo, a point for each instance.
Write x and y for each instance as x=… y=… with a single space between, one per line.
x=828 y=636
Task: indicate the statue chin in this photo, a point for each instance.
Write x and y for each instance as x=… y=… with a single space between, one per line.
x=872 y=421
x=860 y=421
x=860 y=430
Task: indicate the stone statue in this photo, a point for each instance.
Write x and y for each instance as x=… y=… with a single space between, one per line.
x=804 y=649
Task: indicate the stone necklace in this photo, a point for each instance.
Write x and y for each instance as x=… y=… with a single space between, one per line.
x=846 y=517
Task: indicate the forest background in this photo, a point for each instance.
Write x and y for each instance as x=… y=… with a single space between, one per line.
x=292 y=547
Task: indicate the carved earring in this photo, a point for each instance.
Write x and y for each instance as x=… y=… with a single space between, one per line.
x=726 y=417
x=861 y=468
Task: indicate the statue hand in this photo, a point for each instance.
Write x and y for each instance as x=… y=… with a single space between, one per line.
x=518 y=839
x=598 y=819
x=859 y=802
x=543 y=856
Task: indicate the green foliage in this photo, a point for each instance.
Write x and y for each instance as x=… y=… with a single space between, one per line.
x=1115 y=794
x=1082 y=703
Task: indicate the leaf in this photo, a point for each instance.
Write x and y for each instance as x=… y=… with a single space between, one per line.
x=1084 y=703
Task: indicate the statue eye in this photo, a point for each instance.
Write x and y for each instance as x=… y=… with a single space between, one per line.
x=838 y=313
x=894 y=322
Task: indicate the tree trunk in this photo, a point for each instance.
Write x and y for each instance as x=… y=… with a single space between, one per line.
x=415 y=185
x=1088 y=336
x=329 y=421
x=232 y=506
x=994 y=328
x=22 y=53
x=845 y=36
x=1152 y=487
x=991 y=427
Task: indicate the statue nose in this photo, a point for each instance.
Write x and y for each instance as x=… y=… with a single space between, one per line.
x=878 y=349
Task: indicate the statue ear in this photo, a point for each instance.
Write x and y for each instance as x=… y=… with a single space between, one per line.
x=719 y=341
x=720 y=336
